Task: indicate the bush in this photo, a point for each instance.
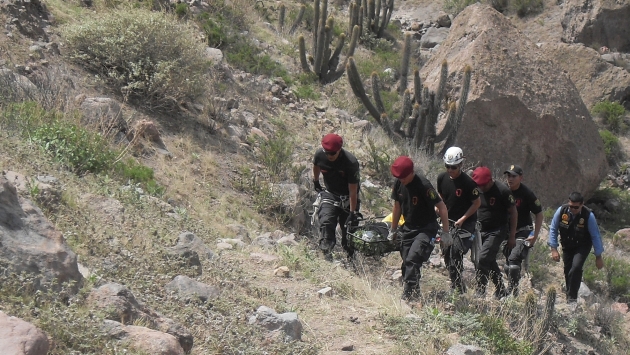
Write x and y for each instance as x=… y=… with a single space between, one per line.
x=615 y=275
x=612 y=113
x=275 y=155
x=526 y=7
x=79 y=149
x=612 y=147
x=146 y=56
x=243 y=54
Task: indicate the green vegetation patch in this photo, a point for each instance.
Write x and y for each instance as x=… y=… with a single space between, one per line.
x=147 y=56
x=615 y=276
x=612 y=113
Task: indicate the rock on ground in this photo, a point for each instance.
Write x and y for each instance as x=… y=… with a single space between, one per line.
x=18 y=337
x=144 y=339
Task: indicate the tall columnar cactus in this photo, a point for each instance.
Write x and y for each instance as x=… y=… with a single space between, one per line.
x=421 y=117
x=549 y=309
x=325 y=61
x=374 y=14
x=531 y=306
x=298 y=19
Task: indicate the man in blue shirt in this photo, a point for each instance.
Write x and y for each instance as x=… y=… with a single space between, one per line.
x=578 y=230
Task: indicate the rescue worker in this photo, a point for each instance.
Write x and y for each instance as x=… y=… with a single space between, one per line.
x=526 y=234
x=496 y=210
x=415 y=199
x=578 y=230
x=339 y=201
x=461 y=196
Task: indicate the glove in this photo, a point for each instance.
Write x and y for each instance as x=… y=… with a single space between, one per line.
x=318 y=187
x=393 y=235
x=446 y=240
x=351 y=218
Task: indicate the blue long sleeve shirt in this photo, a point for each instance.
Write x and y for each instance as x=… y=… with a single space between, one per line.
x=593 y=230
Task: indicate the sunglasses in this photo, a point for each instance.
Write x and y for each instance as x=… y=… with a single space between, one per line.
x=330 y=153
x=574 y=207
x=451 y=167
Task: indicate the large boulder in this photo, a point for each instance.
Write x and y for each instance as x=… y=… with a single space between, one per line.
x=18 y=337
x=595 y=79
x=30 y=243
x=597 y=23
x=521 y=108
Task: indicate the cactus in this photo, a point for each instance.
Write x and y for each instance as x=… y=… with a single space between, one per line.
x=325 y=62
x=549 y=309
x=298 y=19
x=530 y=312
x=378 y=15
x=421 y=116
x=281 y=14
x=404 y=66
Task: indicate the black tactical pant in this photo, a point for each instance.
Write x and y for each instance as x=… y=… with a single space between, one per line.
x=415 y=249
x=488 y=268
x=574 y=259
x=454 y=258
x=330 y=215
x=514 y=259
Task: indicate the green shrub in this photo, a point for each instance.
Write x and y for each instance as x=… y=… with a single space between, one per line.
x=275 y=154
x=140 y=174
x=456 y=6
x=243 y=54
x=612 y=113
x=526 y=7
x=80 y=150
x=147 y=56
x=216 y=29
x=181 y=9
x=615 y=275
x=612 y=147
x=538 y=264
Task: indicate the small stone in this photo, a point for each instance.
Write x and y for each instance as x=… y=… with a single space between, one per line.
x=347 y=347
x=282 y=271
x=326 y=291
x=224 y=246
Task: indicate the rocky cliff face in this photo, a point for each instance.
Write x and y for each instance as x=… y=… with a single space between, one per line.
x=598 y=23
x=522 y=109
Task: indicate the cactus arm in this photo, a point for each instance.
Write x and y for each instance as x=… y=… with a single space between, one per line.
x=376 y=90
x=316 y=20
x=406 y=110
x=449 y=125
x=370 y=17
x=404 y=65
x=377 y=14
x=387 y=15
x=298 y=19
x=319 y=51
x=282 y=10
x=442 y=86
x=413 y=121
x=334 y=58
x=356 y=33
x=303 y=62
x=417 y=87
x=459 y=113
x=359 y=91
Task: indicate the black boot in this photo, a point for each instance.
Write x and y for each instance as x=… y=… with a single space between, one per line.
x=411 y=292
x=514 y=277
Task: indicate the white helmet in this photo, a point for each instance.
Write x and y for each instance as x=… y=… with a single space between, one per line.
x=453 y=156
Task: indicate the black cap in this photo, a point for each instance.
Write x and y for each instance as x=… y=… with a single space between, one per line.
x=514 y=170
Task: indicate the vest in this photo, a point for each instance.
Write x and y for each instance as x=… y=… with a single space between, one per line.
x=574 y=233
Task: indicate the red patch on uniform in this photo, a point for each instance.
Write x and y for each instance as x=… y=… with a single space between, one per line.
x=491 y=201
x=518 y=202
x=414 y=200
x=458 y=192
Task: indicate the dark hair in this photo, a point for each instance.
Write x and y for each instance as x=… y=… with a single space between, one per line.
x=576 y=197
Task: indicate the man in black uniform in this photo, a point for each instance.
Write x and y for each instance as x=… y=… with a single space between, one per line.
x=579 y=234
x=497 y=205
x=340 y=203
x=526 y=234
x=415 y=199
x=461 y=196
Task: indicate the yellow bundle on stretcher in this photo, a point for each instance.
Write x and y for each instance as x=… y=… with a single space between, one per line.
x=390 y=217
